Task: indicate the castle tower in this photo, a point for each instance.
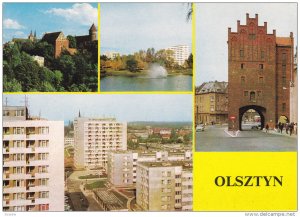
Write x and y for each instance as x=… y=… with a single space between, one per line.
x=259 y=66
x=93 y=33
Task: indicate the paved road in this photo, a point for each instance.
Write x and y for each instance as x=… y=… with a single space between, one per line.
x=215 y=139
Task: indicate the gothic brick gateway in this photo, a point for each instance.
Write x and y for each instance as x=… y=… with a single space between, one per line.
x=259 y=73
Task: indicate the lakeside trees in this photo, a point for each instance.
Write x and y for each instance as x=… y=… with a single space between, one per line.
x=142 y=60
x=21 y=72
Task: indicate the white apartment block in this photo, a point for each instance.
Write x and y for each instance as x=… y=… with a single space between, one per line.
x=122 y=165
x=69 y=141
x=111 y=54
x=95 y=138
x=165 y=186
x=180 y=53
x=33 y=162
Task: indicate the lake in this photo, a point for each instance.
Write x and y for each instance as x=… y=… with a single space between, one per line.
x=140 y=83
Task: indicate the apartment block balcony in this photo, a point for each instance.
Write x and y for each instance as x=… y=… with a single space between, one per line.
x=37 y=162
x=37 y=137
x=9 y=190
x=14 y=137
x=38 y=188
x=187 y=191
x=187 y=199
x=14 y=163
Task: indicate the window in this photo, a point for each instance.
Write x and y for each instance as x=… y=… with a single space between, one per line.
x=177 y=176
x=43 y=130
x=44 y=207
x=243 y=80
x=177 y=200
x=19 y=113
x=252 y=96
x=241 y=53
x=283 y=81
x=284 y=59
x=43 y=156
x=19 y=196
x=261 y=66
x=259 y=93
x=5 y=113
x=212 y=98
x=245 y=93
x=43 y=182
x=242 y=66
x=212 y=108
x=6 y=130
x=283 y=70
x=44 y=194
x=43 y=143
x=18 y=143
x=262 y=54
x=18 y=170
x=261 y=80
x=169 y=173
x=18 y=157
x=18 y=183
x=18 y=130
x=283 y=107
x=177 y=192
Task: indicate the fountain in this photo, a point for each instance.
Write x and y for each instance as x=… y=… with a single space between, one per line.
x=157 y=71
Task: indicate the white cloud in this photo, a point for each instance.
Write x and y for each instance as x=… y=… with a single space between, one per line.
x=81 y=13
x=11 y=24
x=19 y=33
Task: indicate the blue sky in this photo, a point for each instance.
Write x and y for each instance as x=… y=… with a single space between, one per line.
x=71 y=18
x=213 y=20
x=133 y=107
x=130 y=27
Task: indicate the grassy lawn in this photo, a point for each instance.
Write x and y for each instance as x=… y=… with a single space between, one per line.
x=88 y=177
x=97 y=184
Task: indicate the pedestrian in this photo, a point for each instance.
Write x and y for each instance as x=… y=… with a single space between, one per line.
x=296 y=129
x=280 y=127
x=291 y=128
x=287 y=128
x=267 y=128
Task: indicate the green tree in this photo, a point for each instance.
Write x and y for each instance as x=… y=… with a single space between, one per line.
x=189 y=61
x=132 y=65
x=72 y=41
x=11 y=85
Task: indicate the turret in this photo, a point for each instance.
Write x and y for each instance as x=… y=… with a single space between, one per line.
x=93 y=33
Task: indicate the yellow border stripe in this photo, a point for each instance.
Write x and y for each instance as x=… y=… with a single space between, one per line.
x=99 y=47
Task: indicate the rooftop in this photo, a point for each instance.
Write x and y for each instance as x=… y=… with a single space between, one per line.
x=112 y=199
x=184 y=164
x=212 y=87
x=284 y=41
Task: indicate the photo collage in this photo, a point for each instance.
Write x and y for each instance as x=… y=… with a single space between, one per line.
x=149 y=106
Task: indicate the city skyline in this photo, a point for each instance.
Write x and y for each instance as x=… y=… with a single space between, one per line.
x=123 y=33
x=211 y=47
x=67 y=107
x=19 y=19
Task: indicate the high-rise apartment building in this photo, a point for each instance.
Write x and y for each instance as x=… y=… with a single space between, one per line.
x=164 y=186
x=95 y=138
x=33 y=162
x=180 y=53
x=122 y=165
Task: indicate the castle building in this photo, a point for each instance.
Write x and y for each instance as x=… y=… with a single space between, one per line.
x=81 y=41
x=94 y=138
x=61 y=43
x=211 y=103
x=33 y=162
x=260 y=71
x=165 y=186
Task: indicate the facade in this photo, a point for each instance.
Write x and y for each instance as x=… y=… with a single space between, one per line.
x=59 y=42
x=260 y=67
x=95 y=138
x=165 y=186
x=69 y=141
x=211 y=103
x=120 y=168
x=180 y=53
x=122 y=165
x=40 y=60
x=294 y=92
x=112 y=54
x=33 y=162
x=83 y=40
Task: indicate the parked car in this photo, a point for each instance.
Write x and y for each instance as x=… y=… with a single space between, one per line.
x=200 y=128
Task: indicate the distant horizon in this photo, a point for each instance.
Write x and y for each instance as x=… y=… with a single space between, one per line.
x=129 y=108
